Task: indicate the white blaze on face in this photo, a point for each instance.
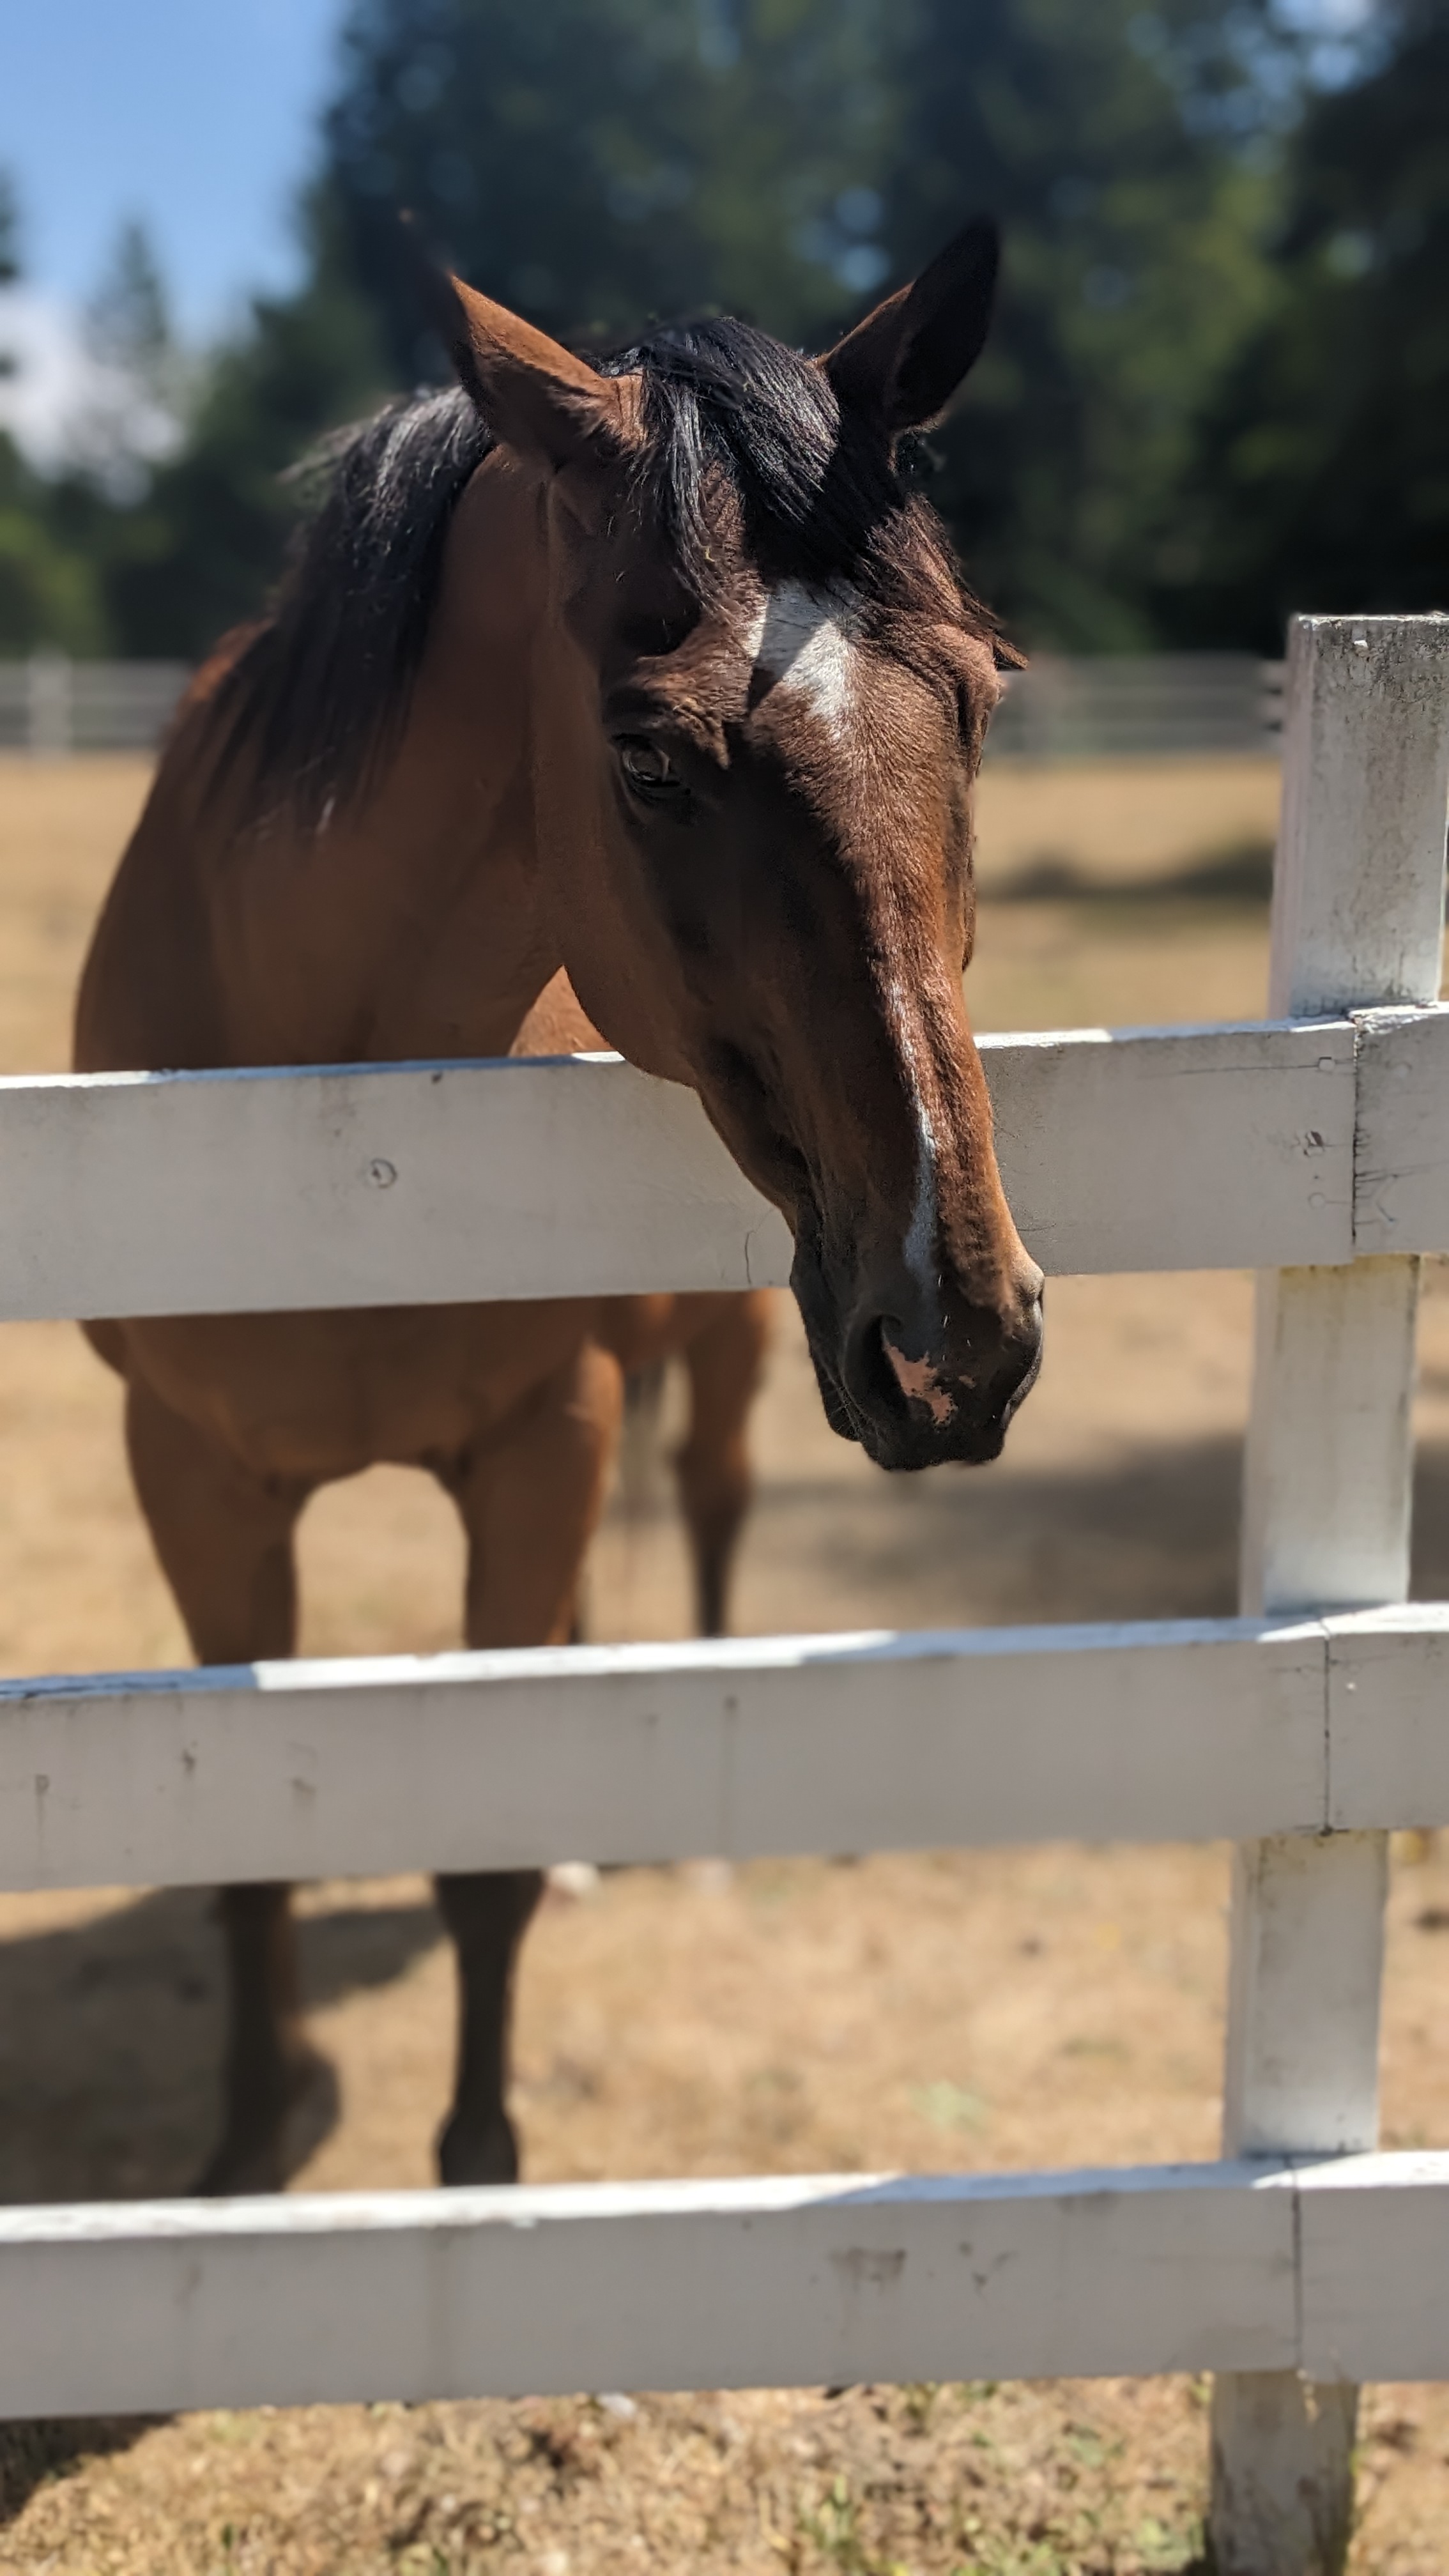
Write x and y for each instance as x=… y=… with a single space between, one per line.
x=917 y=1378
x=805 y=640
x=919 y=1246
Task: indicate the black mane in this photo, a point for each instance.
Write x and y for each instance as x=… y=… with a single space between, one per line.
x=319 y=693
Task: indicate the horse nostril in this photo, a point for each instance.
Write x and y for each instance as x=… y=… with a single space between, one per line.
x=877 y=1371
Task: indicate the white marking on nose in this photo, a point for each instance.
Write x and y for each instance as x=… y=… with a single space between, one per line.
x=919 y=1380
x=805 y=640
x=919 y=1246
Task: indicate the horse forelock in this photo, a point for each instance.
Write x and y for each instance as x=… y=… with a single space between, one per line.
x=727 y=410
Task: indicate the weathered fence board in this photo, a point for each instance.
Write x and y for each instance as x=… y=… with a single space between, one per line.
x=1180 y=1149
x=196 y=1193
x=1358 y=923
x=1401 y=1180
x=1388 y=1718
x=773 y=2283
x=791 y=2281
x=1374 y=2267
x=1181 y=1731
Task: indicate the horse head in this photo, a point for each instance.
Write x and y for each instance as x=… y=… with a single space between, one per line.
x=760 y=698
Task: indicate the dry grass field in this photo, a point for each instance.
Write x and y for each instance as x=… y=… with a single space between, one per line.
x=1051 y=2006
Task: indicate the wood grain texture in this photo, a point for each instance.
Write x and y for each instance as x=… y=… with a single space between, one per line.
x=1401 y=1159
x=1358 y=915
x=1374 y=2267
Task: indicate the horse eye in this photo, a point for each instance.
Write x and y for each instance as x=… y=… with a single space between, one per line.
x=649 y=770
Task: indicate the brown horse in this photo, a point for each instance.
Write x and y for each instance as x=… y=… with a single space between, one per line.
x=653 y=676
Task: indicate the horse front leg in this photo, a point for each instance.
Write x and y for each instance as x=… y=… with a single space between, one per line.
x=529 y=1500
x=225 y=1541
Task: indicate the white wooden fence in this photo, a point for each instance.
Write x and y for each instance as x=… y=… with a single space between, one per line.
x=51 y=706
x=1315 y=1148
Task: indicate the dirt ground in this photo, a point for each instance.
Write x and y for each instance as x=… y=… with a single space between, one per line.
x=1052 y=2006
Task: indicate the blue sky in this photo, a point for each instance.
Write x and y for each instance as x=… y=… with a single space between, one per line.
x=195 y=114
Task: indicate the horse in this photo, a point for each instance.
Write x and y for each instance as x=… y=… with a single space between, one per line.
x=640 y=697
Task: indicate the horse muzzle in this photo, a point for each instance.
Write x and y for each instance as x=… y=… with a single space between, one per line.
x=919 y=1390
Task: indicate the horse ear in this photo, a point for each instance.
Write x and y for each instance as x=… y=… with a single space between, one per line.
x=905 y=360
x=535 y=394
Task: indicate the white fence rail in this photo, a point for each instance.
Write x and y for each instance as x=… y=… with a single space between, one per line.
x=1116 y=707
x=1333 y=2269
x=375 y=1185
x=1126 y=706
x=372 y=1185
x=1179 y=1731
x=51 y=706
x=1304 y=1732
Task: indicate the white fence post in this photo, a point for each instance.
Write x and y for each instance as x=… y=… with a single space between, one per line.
x=50 y=713
x=1358 y=904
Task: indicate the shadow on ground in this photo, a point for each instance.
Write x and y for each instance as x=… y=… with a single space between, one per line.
x=113 y=2034
x=1240 y=872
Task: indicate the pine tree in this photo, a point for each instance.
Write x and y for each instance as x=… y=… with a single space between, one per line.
x=1123 y=153
x=1323 y=477
x=598 y=162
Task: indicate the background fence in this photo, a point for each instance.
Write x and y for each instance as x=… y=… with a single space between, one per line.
x=1116 y=708
x=50 y=706
x=1306 y=1729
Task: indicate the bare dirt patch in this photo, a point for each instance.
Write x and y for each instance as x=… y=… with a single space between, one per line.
x=1043 y=2007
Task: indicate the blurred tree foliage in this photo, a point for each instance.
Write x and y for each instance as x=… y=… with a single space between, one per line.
x=1124 y=152
x=49 y=593
x=199 y=549
x=1321 y=479
x=1217 y=384
x=50 y=587
x=593 y=162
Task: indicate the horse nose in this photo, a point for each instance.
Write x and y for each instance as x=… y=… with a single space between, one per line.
x=934 y=1392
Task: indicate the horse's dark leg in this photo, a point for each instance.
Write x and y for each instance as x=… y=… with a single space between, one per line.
x=486 y=1914
x=725 y=1363
x=529 y=1501
x=279 y=2093
x=224 y=1538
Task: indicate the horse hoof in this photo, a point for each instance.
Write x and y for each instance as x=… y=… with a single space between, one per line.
x=263 y=2157
x=472 y=2155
